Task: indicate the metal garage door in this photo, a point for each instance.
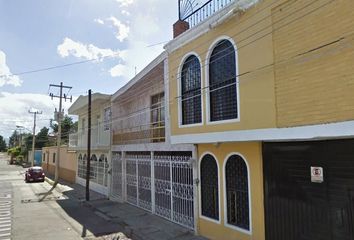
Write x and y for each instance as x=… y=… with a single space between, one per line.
x=297 y=206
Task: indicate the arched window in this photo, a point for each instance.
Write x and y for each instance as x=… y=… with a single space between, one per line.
x=236 y=176
x=222 y=82
x=191 y=91
x=209 y=187
x=80 y=157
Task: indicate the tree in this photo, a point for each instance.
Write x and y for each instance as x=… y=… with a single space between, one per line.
x=42 y=138
x=67 y=127
x=2 y=144
x=14 y=139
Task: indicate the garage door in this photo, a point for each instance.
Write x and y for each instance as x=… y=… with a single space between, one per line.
x=309 y=190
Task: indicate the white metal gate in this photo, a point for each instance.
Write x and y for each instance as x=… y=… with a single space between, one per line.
x=117 y=177
x=138 y=179
x=160 y=182
x=174 y=187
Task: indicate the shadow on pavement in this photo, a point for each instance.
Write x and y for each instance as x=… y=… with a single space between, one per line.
x=91 y=223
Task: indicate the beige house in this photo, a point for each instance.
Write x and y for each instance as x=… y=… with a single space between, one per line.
x=67 y=164
x=100 y=140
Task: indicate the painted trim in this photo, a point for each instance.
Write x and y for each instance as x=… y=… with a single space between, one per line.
x=179 y=91
x=167 y=101
x=249 y=232
x=200 y=186
x=313 y=132
x=207 y=84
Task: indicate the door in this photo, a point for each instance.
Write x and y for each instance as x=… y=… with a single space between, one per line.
x=296 y=206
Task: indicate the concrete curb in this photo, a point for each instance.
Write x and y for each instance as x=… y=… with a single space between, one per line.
x=50 y=181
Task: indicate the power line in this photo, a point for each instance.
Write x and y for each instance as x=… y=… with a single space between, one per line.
x=100 y=58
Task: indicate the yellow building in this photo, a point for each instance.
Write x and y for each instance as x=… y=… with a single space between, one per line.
x=250 y=79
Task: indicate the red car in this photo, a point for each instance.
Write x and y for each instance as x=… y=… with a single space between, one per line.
x=34 y=174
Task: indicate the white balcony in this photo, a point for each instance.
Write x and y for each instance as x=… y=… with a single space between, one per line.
x=100 y=139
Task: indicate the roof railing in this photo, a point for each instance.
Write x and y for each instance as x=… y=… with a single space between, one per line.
x=196 y=11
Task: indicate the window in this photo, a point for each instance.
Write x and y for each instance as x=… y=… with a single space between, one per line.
x=209 y=187
x=236 y=176
x=43 y=157
x=158 y=117
x=107 y=119
x=191 y=91
x=53 y=157
x=222 y=82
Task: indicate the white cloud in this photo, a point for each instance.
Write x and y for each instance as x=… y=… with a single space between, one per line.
x=125 y=12
x=16 y=113
x=124 y=3
x=118 y=70
x=99 y=21
x=6 y=77
x=121 y=30
x=86 y=51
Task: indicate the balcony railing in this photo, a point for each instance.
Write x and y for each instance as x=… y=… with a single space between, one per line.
x=196 y=11
x=149 y=133
x=99 y=138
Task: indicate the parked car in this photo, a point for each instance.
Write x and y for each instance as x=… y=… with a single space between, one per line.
x=34 y=174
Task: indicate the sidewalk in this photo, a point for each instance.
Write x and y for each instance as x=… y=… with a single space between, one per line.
x=132 y=221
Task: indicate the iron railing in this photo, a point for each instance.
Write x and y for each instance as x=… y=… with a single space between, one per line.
x=196 y=11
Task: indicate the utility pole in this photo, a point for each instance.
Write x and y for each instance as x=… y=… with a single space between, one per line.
x=59 y=118
x=88 y=173
x=34 y=133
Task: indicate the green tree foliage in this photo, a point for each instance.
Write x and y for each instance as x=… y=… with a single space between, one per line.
x=14 y=139
x=42 y=139
x=2 y=144
x=67 y=127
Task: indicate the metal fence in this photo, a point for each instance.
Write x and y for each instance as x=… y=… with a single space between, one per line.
x=196 y=11
x=159 y=182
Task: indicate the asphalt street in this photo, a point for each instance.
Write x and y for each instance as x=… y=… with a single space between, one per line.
x=28 y=212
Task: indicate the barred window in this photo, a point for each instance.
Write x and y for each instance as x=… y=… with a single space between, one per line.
x=237 y=192
x=209 y=187
x=191 y=91
x=222 y=82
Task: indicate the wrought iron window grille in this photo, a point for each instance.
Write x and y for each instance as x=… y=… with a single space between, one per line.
x=237 y=192
x=191 y=86
x=209 y=187
x=222 y=72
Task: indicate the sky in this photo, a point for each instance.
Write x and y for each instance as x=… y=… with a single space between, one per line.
x=114 y=38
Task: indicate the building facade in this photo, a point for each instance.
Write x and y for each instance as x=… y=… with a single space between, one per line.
x=67 y=163
x=147 y=171
x=264 y=91
x=100 y=140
